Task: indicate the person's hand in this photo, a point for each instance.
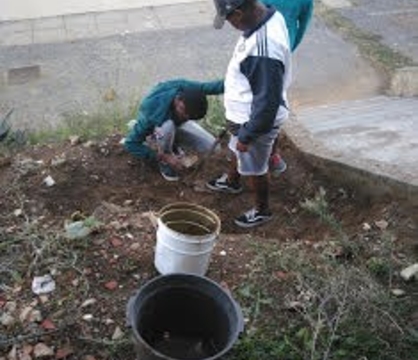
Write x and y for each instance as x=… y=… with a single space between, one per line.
x=173 y=160
x=242 y=147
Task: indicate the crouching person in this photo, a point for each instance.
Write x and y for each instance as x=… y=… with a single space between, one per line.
x=166 y=122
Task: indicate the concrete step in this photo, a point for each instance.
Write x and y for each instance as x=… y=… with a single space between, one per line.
x=371 y=112
x=377 y=136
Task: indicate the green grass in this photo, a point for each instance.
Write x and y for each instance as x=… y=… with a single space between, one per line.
x=370 y=46
x=322 y=307
x=110 y=118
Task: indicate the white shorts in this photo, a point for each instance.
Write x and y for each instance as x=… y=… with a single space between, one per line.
x=255 y=161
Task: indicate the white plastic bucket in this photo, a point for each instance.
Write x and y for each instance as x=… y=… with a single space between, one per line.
x=186 y=235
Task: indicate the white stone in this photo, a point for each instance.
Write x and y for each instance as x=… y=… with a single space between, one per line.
x=88 y=317
x=41 y=350
x=398 y=292
x=49 y=181
x=382 y=224
x=117 y=334
x=88 y=302
x=18 y=212
x=410 y=272
x=74 y=140
x=7 y=320
x=366 y=227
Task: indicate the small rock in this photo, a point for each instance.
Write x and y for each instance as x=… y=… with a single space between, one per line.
x=89 y=144
x=27 y=349
x=63 y=353
x=87 y=317
x=381 y=224
x=117 y=334
x=18 y=212
x=41 y=350
x=222 y=253
x=410 y=272
x=44 y=299
x=13 y=353
x=366 y=227
x=116 y=225
x=74 y=140
x=35 y=316
x=398 y=292
x=116 y=242
x=24 y=356
x=58 y=161
x=111 y=285
x=7 y=320
x=43 y=284
x=10 y=306
x=49 y=181
x=135 y=246
x=48 y=325
x=109 y=322
x=128 y=202
x=24 y=314
x=89 y=357
x=88 y=302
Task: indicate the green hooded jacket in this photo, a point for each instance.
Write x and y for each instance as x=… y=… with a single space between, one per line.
x=297 y=14
x=155 y=108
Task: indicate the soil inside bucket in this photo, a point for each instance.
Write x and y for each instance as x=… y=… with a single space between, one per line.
x=184 y=347
x=189 y=228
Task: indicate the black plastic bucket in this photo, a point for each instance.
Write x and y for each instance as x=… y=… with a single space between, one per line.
x=182 y=317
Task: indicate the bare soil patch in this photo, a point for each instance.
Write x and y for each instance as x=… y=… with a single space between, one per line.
x=95 y=276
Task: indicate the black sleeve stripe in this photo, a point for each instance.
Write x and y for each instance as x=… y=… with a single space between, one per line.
x=262 y=47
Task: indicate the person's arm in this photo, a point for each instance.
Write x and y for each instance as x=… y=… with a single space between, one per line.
x=209 y=88
x=304 y=19
x=142 y=129
x=265 y=76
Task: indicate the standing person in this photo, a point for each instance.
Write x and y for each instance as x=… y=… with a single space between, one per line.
x=297 y=15
x=256 y=82
x=166 y=120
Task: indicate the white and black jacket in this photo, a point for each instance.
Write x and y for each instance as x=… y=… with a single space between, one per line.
x=257 y=78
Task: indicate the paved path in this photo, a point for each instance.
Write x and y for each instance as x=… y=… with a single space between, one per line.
x=70 y=27
x=128 y=51
x=35 y=9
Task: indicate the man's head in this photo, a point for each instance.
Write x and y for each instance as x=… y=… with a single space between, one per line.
x=190 y=104
x=239 y=13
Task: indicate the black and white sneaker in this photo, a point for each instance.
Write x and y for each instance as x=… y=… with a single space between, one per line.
x=253 y=218
x=221 y=184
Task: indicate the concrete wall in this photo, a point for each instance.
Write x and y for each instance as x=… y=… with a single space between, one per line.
x=30 y=9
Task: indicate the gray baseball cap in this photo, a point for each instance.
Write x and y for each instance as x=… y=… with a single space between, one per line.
x=223 y=9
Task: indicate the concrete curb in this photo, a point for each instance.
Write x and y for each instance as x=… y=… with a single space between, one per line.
x=365 y=177
x=404 y=82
